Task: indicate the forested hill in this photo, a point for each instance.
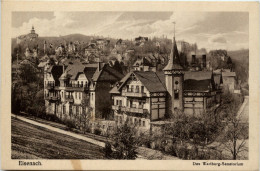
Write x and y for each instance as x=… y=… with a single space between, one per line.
x=55 y=41
x=241 y=60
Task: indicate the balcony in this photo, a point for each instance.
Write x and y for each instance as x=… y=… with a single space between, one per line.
x=76 y=87
x=129 y=109
x=133 y=94
x=52 y=97
x=136 y=110
x=69 y=99
x=50 y=86
x=116 y=107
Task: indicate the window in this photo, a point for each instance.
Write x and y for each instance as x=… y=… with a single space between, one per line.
x=142 y=89
x=137 y=89
x=140 y=122
x=92 y=94
x=77 y=110
x=64 y=109
x=76 y=94
x=79 y=95
x=143 y=123
x=176 y=94
x=132 y=88
x=70 y=110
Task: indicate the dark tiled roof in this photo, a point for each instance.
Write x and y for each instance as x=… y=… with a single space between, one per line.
x=151 y=81
x=89 y=72
x=108 y=69
x=56 y=72
x=74 y=70
x=197 y=85
x=161 y=76
x=49 y=69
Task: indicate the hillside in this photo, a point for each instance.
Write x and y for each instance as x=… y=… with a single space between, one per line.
x=240 y=59
x=55 y=41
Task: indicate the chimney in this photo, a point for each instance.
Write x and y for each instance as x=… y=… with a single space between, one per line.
x=193 y=60
x=204 y=62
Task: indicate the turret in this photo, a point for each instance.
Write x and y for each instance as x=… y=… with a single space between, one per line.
x=174 y=78
x=33 y=31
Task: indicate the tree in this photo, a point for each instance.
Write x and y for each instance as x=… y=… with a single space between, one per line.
x=125 y=143
x=235 y=132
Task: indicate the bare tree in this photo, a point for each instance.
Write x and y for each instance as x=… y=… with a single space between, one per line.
x=236 y=131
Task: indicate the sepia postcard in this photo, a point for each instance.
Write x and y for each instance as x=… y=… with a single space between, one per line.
x=129 y=85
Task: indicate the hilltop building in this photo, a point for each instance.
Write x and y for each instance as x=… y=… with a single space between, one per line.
x=31 y=36
x=139 y=41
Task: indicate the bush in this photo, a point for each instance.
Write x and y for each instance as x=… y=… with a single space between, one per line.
x=97 y=131
x=108 y=150
x=69 y=124
x=87 y=129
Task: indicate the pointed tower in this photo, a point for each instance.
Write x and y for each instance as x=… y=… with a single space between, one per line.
x=174 y=78
x=33 y=31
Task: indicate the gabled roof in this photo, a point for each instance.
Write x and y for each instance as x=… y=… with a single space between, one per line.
x=89 y=72
x=56 y=72
x=111 y=71
x=198 y=81
x=149 y=79
x=74 y=70
x=143 y=61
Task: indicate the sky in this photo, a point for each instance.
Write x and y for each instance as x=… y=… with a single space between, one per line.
x=210 y=30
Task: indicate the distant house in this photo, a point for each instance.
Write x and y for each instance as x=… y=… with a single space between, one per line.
x=92 y=53
x=229 y=81
x=28 y=37
x=120 y=43
x=144 y=64
x=139 y=41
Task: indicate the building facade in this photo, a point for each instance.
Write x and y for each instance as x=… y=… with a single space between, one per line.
x=145 y=97
x=72 y=92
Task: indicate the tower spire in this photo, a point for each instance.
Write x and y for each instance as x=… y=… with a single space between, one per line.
x=174 y=61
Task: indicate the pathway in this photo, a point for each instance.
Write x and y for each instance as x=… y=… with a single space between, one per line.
x=101 y=144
